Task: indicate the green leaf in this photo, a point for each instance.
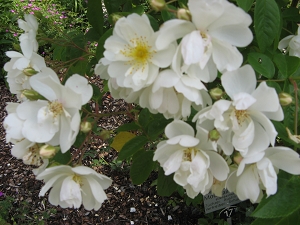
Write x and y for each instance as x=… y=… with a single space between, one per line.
x=113 y=5
x=141 y=167
x=92 y=35
x=95 y=15
x=165 y=184
x=79 y=139
x=282 y=133
x=157 y=126
x=96 y=93
x=283 y=204
x=144 y=117
x=292 y=219
x=166 y=15
x=132 y=146
x=266 y=22
x=62 y=158
x=287 y=65
x=245 y=4
x=153 y=22
x=261 y=64
x=275 y=85
x=128 y=126
x=139 y=10
x=100 y=48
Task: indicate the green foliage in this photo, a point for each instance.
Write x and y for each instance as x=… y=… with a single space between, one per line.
x=266 y=22
x=262 y=64
x=95 y=15
x=142 y=166
x=133 y=146
x=282 y=208
x=287 y=65
x=12 y=214
x=245 y=4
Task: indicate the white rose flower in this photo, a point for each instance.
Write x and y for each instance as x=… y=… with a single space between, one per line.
x=12 y=123
x=20 y=68
x=194 y=165
x=246 y=118
x=248 y=181
x=55 y=121
x=134 y=58
x=173 y=95
x=217 y=28
x=72 y=187
x=28 y=151
x=291 y=43
x=28 y=40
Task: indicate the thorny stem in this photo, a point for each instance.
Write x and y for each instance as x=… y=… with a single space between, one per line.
x=296 y=105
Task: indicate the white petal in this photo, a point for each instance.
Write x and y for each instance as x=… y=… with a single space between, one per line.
x=237 y=35
x=80 y=85
x=248 y=185
x=240 y=80
x=266 y=124
x=192 y=47
x=218 y=166
x=285 y=159
x=285 y=42
x=172 y=30
x=178 y=127
x=267 y=100
x=226 y=56
x=173 y=162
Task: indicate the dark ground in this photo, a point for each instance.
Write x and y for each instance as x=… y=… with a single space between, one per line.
x=18 y=181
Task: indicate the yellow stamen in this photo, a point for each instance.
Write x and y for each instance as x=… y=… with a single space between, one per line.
x=140 y=53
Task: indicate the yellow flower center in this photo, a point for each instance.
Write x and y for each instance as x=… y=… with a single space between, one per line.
x=188 y=154
x=140 y=53
x=33 y=156
x=56 y=108
x=241 y=115
x=77 y=179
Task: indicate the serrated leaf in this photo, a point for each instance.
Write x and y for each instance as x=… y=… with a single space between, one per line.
x=261 y=64
x=132 y=146
x=283 y=203
x=121 y=139
x=287 y=65
x=128 y=126
x=266 y=22
x=165 y=184
x=95 y=15
x=245 y=4
x=141 y=167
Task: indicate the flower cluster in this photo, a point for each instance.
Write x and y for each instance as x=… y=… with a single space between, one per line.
x=166 y=72
x=47 y=120
x=149 y=67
